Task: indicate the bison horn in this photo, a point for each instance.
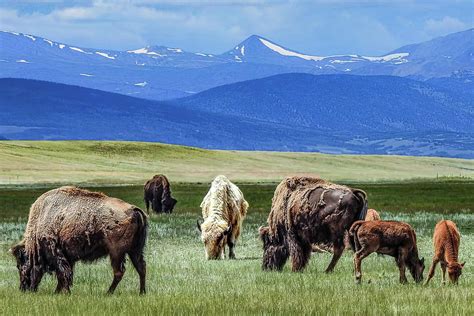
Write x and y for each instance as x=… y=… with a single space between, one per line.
x=198 y=225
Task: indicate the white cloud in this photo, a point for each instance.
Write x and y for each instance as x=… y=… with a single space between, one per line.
x=444 y=26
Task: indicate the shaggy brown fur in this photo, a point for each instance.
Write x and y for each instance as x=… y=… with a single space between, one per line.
x=446 y=241
x=157 y=191
x=223 y=210
x=396 y=239
x=308 y=211
x=372 y=215
x=69 y=224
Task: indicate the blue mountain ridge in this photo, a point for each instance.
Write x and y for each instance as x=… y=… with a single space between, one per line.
x=289 y=112
x=160 y=73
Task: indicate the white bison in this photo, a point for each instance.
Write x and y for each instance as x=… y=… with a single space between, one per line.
x=223 y=210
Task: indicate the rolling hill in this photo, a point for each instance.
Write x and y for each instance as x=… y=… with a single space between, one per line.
x=99 y=163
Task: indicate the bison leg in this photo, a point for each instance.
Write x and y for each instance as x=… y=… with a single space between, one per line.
x=443 y=267
x=300 y=252
x=358 y=256
x=140 y=265
x=401 y=266
x=231 y=241
x=147 y=204
x=64 y=274
x=338 y=249
x=118 y=265
x=432 y=270
x=36 y=276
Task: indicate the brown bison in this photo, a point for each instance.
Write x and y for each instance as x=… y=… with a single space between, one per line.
x=157 y=192
x=223 y=210
x=372 y=215
x=446 y=240
x=396 y=239
x=69 y=224
x=308 y=211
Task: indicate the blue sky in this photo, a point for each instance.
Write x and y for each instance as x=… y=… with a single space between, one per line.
x=320 y=27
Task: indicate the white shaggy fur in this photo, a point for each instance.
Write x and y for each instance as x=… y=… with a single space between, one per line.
x=223 y=210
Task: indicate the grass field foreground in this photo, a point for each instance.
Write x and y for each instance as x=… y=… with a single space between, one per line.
x=181 y=281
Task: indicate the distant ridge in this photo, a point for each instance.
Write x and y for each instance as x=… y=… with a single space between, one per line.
x=329 y=114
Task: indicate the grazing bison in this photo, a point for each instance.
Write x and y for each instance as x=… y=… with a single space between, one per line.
x=157 y=192
x=396 y=239
x=308 y=211
x=69 y=224
x=223 y=211
x=446 y=240
x=372 y=215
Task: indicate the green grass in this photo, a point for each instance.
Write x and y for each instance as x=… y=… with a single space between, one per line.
x=181 y=281
x=100 y=163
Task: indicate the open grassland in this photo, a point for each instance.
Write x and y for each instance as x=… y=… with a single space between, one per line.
x=181 y=281
x=99 y=163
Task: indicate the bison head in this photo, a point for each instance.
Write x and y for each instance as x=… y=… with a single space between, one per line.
x=23 y=264
x=214 y=238
x=416 y=269
x=455 y=271
x=168 y=205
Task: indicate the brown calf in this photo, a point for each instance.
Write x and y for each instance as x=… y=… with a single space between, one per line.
x=446 y=249
x=396 y=239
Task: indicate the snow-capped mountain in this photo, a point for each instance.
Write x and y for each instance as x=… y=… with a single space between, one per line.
x=159 y=72
x=257 y=49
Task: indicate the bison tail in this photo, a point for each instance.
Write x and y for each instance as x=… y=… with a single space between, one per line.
x=353 y=240
x=362 y=196
x=140 y=218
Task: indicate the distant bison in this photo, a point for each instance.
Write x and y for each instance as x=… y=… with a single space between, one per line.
x=223 y=210
x=157 y=191
x=308 y=211
x=69 y=224
x=372 y=215
x=396 y=239
x=446 y=241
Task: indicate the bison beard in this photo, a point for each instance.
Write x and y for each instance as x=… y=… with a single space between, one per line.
x=306 y=211
x=67 y=225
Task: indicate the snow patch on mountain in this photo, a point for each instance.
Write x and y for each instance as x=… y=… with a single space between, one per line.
x=175 y=50
x=78 y=50
x=30 y=37
x=86 y=75
x=105 y=55
x=389 y=57
x=48 y=41
x=141 y=84
x=282 y=51
x=23 y=61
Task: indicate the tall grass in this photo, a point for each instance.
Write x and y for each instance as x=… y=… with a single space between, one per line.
x=181 y=281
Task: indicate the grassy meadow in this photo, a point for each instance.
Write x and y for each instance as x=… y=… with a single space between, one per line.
x=181 y=281
x=105 y=163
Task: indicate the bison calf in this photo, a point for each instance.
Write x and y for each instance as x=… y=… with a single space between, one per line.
x=391 y=238
x=69 y=224
x=446 y=240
